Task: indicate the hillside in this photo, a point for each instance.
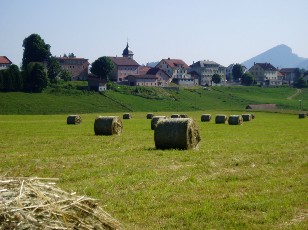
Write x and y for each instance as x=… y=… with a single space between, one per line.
x=280 y=56
x=132 y=99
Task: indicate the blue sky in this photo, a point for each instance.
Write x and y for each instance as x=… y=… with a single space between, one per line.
x=225 y=31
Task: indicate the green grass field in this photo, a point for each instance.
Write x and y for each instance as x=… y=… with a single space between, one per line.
x=127 y=99
x=252 y=176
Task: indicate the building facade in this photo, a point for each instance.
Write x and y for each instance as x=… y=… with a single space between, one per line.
x=123 y=66
x=175 y=68
x=290 y=75
x=265 y=74
x=5 y=63
x=78 y=67
x=206 y=70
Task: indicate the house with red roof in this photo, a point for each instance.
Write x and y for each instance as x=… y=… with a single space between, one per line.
x=177 y=70
x=78 y=67
x=291 y=75
x=153 y=77
x=265 y=74
x=5 y=63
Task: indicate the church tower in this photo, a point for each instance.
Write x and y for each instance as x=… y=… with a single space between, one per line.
x=127 y=52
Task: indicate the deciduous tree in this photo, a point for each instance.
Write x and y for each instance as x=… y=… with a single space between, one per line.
x=237 y=72
x=35 y=50
x=36 y=77
x=247 y=79
x=216 y=78
x=53 y=69
x=102 y=67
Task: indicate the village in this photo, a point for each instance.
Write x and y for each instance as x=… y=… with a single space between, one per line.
x=128 y=71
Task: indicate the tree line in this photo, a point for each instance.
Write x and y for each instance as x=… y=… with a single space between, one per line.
x=39 y=68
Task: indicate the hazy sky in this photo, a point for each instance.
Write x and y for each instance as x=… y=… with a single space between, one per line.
x=225 y=31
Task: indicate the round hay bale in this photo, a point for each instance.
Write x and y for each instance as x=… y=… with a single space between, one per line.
x=155 y=120
x=302 y=115
x=73 y=120
x=221 y=119
x=108 y=125
x=37 y=203
x=180 y=133
x=235 y=120
x=127 y=116
x=175 y=116
x=206 y=117
x=183 y=116
x=246 y=117
x=253 y=116
x=150 y=115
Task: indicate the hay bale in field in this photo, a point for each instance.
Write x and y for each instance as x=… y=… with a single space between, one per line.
x=221 y=119
x=127 y=116
x=36 y=203
x=247 y=117
x=175 y=116
x=150 y=115
x=206 y=117
x=155 y=120
x=302 y=115
x=183 y=116
x=180 y=133
x=108 y=125
x=73 y=119
x=235 y=120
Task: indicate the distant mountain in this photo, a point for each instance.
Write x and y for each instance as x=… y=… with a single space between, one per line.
x=280 y=56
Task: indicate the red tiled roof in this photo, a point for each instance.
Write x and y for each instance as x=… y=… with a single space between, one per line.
x=124 y=61
x=279 y=74
x=173 y=63
x=143 y=69
x=5 y=60
x=288 y=70
x=155 y=70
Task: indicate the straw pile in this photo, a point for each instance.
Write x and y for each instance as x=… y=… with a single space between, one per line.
x=235 y=120
x=28 y=203
x=206 y=117
x=302 y=115
x=247 y=117
x=180 y=133
x=220 y=119
x=155 y=120
x=150 y=115
x=175 y=116
x=127 y=116
x=108 y=125
x=73 y=119
x=183 y=116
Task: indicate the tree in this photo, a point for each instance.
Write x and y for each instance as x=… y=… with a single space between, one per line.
x=2 y=80
x=35 y=50
x=301 y=83
x=71 y=55
x=36 y=77
x=102 y=67
x=53 y=69
x=65 y=75
x=15 y=75
x=216 y=78
x=247 y=79
x=237 y=71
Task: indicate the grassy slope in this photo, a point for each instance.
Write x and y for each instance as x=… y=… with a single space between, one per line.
x=252 y=176
x=77 y=101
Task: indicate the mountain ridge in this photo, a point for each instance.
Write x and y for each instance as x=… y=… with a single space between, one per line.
x=280 y=56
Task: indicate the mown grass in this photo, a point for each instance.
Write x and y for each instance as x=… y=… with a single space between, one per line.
x=72 y=98
x=252 y=176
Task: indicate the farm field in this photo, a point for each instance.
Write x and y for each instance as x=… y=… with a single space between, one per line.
x=250 y=176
